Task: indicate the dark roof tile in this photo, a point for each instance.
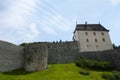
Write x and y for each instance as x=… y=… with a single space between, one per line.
x=90 y=27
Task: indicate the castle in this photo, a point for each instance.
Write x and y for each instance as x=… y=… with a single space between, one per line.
x=89 y=41
x=92 y=37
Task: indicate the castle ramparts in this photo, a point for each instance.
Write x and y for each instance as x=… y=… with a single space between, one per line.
x=36 y=56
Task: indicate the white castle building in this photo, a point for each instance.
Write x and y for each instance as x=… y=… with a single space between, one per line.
x=92 y=37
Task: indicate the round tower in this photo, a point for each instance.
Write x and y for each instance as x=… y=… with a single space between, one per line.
x=36 y=56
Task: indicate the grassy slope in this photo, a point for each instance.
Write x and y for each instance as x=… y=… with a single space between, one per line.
x=54 y=72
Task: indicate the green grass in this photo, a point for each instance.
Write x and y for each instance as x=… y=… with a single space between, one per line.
x=54 y=72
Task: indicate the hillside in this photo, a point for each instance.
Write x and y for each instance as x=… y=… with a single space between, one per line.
x=54 y=72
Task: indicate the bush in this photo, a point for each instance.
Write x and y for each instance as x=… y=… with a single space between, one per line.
x=108 y=76
x=84 y=63
x=103 y=65
x=84 y=72
x=92 y=64
x=115 y=75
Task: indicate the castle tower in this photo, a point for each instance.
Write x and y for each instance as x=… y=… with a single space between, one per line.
x=92 y=37
x=36 y=56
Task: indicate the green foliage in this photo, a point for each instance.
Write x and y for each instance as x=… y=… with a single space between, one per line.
x=108 y=76
x=102 y=65
x=92 y=64
x=23 y=44
x=84 y=63
x=84 y=72
x=53 y=72
x=115 y=75
x=116 y=47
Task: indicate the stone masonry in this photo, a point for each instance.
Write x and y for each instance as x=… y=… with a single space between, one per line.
x=11 y=56
x=36 y=56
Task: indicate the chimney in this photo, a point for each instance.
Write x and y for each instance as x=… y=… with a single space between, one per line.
x=85 y=25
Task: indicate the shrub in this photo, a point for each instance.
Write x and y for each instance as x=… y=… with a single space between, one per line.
x=84 y=63
x=84 y=72
x=115 y=75
x=92 y=64
x=102 y=65
x=108 y=76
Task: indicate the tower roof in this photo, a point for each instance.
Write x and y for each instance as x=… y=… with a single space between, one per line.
x=90 y=27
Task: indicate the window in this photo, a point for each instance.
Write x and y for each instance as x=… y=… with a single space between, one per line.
x=87 y=40
x=95 y=40
x=103 y=39
x=86 y=33
x=94 y=33
x=96 y=45
x=102 y=34
x=48 y=46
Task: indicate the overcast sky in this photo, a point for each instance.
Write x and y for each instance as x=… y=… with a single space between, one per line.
x=54 y=20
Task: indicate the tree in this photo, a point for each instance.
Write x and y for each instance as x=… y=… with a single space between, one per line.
x=116 y=47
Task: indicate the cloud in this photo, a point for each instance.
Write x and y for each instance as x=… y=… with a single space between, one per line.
x=25 y=19
x=50 y=17
x=16 y=12
x=115 y=2
x=33 y=31
x=56 y=22
x=49 y=20
x=13 y=17
x=49 y=30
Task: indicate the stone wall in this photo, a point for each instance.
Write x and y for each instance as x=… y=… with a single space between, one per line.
x=68 y=52
x=36 y=57
x=109 y=55
x=11 y=57
x=64 y=52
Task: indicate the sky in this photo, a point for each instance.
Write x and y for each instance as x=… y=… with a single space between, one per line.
x=53 y=20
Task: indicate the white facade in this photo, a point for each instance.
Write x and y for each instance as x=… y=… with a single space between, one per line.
x=93 y=40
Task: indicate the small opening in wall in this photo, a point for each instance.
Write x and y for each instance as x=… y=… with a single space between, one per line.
x=96 y=45
x=87 y=40
x=48 y=46
x=35 y=51
x=94 y=33
x=103 y=39
x=102 y=34
x=86 y=33
x=95 y=40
